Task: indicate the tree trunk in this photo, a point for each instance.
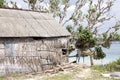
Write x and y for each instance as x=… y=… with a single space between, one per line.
x=83 y=59
x=91 y=60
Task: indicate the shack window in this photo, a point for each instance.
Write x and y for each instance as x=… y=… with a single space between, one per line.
x=64 y=51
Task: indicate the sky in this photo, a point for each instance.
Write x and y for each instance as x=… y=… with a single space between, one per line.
x=115 y=11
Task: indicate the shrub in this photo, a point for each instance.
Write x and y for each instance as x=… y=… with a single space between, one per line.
x=113 y=66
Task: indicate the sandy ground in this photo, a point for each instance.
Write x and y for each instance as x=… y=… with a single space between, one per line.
x=75 y=70
x=71 y=72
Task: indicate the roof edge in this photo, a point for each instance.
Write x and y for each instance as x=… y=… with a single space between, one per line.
x=23 y=9
x=36 y=37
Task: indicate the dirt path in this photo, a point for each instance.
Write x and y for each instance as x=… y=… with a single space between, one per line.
x=74 y=71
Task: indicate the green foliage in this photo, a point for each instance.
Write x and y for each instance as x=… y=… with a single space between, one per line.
x=99 y=68
x=54 y=5
x=69 y=28
x=2 y=78
x=110 y=67
x=105 y=36
x=113 y=66
x=99 y=54
x=92 y=10
x=86 y=39
x=32 y=1
x=65 y=1
x=116 y=37
x=2 y=3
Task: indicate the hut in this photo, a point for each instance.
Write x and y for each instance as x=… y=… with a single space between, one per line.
x=30 y=41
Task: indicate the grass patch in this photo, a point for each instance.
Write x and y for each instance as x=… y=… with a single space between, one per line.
x=76 y=69
x=96 y=74
x=99 y=68
x=15 y=75
x=59 y=77
x=113 y=66
x=110 y=67
x=2 y=78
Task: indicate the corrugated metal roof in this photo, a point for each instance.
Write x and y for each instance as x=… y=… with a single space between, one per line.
x=19 y=23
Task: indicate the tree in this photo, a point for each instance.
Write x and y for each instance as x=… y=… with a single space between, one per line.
x=96 y=14
x=85 y=41
x=4 y=4
x=32 y=3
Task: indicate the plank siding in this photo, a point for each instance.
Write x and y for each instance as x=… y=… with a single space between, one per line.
x=25 y=55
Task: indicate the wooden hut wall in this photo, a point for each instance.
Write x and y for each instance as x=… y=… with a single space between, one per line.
x=24 y=55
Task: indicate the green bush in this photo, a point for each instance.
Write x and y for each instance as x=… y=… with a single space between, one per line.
x=113 y=66
x=99 y=54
